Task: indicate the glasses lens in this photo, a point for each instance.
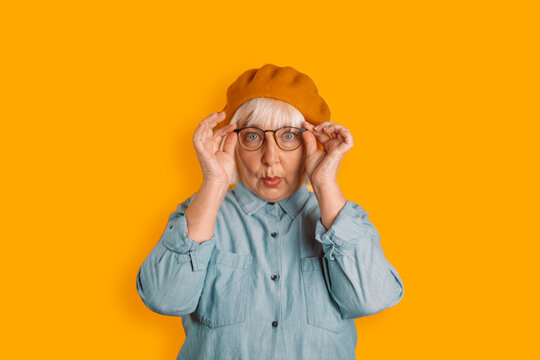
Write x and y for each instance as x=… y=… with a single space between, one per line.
x=289 y=138
x=251 y=138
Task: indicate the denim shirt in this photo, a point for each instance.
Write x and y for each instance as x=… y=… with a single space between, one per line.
x=272 y=282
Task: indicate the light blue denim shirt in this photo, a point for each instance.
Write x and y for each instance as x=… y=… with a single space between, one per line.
x=272 y=282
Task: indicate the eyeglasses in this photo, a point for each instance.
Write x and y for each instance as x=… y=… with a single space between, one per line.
x=288 y=138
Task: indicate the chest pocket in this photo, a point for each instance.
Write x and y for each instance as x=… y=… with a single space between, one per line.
x=224 y=296
x=321 y=309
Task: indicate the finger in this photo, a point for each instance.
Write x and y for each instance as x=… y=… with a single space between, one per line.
x=213 y=115
x=199 y=131
x=346 y=143
x=202 y=137
x=329 y=128
x=347 y=136
x=209 y=119
x=332 y=129
x=230 y=143
x=218 y=134
x=323 y=125
x=223 y=132
x=209 y=123
x=203 y=132
x=310 y=143
x=214 y=118
x=321 y=136
x=217 y=123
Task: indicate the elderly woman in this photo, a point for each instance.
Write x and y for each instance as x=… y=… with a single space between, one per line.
x=269 y=269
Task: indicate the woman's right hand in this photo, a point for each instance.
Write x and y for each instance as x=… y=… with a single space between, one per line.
x=217 y=166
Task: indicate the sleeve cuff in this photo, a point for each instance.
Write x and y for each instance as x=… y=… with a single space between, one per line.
x=176 y=240
x=350 y=225
x=175 y=236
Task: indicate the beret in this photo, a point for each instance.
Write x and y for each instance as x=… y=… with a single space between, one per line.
x=282 y=83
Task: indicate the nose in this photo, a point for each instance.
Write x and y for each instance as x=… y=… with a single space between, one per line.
x=270 y=150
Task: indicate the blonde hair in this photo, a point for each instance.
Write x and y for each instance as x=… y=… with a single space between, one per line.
x=265 y=112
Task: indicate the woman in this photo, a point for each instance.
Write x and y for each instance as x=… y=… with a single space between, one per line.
x=269 y=269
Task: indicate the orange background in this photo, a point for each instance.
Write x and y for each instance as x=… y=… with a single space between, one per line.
x=99 y=103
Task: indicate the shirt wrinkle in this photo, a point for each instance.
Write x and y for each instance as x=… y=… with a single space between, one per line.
x=270 y=284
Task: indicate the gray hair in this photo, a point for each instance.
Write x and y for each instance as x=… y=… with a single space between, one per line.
x=265 y=112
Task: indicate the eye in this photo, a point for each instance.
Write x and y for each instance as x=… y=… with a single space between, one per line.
x=253 y=136
x=288 y=136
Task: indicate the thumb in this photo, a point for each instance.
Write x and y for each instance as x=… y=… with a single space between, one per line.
x=230 y=143
x=310 y=142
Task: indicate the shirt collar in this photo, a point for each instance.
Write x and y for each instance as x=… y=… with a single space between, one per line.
x=251 y=203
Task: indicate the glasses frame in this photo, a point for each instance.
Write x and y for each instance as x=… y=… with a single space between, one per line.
x=273 y=131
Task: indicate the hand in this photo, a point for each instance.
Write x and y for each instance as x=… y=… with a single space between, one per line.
x=217 y=166
x=322 y=165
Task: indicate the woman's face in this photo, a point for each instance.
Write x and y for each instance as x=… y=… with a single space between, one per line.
x=270 y=161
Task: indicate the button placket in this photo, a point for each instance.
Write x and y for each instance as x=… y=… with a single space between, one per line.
x=274 y=232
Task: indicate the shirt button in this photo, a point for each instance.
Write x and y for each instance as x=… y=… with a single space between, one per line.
x=274 y=277
x=274 y=234
x=274 y=323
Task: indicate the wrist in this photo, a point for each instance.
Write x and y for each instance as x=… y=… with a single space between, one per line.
x=216 y=187
x=324 y=185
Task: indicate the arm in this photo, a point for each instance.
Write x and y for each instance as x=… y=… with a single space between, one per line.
x=359 y=278
x=171 y=279
x=331 y=200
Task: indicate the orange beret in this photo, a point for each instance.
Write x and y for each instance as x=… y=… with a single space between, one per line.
x=282 y=83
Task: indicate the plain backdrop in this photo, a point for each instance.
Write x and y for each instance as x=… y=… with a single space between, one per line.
x=99 y=101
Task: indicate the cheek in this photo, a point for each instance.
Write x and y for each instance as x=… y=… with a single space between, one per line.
x=295 y=164
x=247 y=162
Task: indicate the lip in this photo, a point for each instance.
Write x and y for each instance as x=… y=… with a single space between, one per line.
x=271 y=181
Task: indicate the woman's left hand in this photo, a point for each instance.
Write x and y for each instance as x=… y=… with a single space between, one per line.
x=322 y=165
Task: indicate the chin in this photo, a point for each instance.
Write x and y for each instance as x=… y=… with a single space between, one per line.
x=271 y=195
x=274 y=195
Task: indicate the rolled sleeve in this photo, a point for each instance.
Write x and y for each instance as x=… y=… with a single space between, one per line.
x=359 y=277
x=349 y=227
x=172 y=276
x=176 y=239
